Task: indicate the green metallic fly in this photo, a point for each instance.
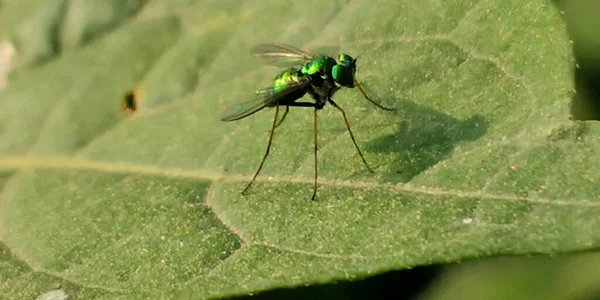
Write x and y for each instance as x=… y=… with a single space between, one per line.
x=318 y=75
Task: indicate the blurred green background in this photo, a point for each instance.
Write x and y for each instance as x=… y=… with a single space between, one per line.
x=574 y=276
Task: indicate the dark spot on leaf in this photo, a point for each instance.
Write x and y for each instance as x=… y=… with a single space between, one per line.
x=131 y=101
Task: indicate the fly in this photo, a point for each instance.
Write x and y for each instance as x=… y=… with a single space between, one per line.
x=317 y=75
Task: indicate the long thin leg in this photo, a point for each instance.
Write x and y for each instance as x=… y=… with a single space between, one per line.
x=266 y=153
x=316 y=149
x=297 y=104
x=362 y=90
x=287 y=109
x=351 y=134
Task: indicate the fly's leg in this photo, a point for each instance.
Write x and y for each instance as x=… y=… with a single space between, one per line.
x=316 y=106
x=362 y=90
x=266 y=153
x=351 y=134
x=287 y=109
x=315 y=124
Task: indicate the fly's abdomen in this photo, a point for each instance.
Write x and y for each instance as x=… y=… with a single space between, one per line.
x=286 y=78
x=320 y=66
x=291 y=83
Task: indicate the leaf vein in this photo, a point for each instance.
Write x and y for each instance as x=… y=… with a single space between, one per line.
x=71 y=164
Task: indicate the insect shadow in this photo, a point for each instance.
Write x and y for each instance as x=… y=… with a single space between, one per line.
x=423 y=138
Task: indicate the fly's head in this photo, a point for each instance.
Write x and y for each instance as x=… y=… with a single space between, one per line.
x=343 y=72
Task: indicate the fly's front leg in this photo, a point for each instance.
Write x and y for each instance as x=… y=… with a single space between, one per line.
x=351 y=134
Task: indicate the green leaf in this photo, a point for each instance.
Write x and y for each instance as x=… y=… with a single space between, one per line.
x=479 y=160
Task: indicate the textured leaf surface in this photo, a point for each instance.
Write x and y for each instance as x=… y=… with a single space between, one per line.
x=480 y=159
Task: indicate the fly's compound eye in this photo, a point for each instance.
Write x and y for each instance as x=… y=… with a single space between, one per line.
x=343 y=75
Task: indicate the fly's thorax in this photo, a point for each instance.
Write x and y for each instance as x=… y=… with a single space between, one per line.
x=320 y=66
x=287 y=77
x=323 y=89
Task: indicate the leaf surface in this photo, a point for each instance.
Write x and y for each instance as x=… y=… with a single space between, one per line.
x=479 y=160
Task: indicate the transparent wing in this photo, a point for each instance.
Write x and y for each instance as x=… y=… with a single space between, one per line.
x=242 y=110
x=263 y=98
x=281 y=54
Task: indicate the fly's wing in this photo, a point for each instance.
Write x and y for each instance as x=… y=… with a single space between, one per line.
x=265 y=97
x=281 y=54
x=242 y=110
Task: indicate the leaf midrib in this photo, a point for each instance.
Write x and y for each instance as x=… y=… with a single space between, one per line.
x=77 y=164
